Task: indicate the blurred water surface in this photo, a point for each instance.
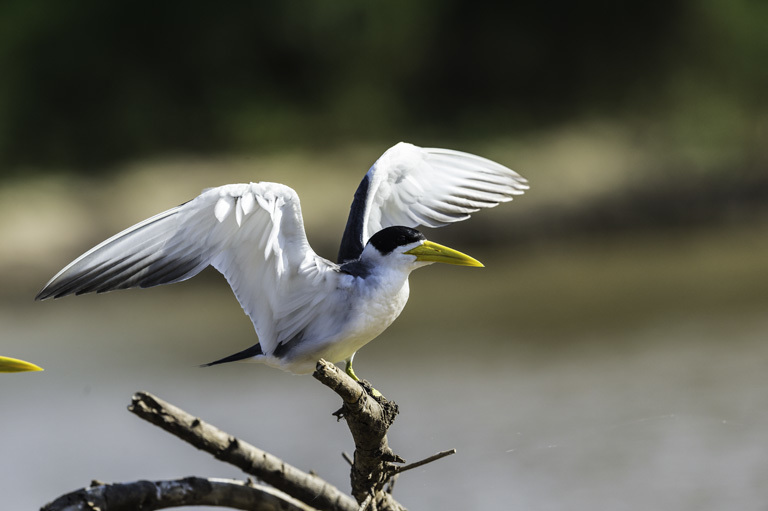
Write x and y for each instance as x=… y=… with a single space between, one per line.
x=621 y=374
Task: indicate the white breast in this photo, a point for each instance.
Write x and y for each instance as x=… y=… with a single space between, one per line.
x=372 y=304
x=376 y=302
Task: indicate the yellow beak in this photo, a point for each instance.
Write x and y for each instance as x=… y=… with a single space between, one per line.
x=434 y=253
x=14 y=365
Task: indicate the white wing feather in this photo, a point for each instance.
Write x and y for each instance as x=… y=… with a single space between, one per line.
x=414 y=186
x=252 y=233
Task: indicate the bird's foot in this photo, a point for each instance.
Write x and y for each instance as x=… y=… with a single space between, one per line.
x=351 y=372
x=363 y=383
x=370 y=390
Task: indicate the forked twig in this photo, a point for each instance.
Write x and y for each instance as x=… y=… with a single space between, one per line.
x=430 y=459
x=374 y=466
x=305 y=487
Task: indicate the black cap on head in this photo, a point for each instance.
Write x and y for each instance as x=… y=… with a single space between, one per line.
x=388 y=239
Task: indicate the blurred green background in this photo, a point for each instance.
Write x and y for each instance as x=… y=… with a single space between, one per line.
x=611 y=354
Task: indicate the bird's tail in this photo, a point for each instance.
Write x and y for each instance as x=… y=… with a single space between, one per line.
x=253 y=351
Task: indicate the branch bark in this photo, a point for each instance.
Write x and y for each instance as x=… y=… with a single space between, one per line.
x=190 y=491
x=305 y=487
x=374 y=466
x=369 y=417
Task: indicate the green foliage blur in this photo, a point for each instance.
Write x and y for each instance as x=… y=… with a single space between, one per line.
x=87 y=84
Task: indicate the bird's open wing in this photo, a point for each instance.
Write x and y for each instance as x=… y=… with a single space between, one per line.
x=252 y=233
x=413 y=186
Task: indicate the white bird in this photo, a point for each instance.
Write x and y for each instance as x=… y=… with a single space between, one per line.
x=303 y=306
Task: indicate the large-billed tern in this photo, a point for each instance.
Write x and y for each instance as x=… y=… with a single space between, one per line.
x=303 y=306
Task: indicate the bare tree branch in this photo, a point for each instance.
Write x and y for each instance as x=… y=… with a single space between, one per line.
x=367 y=502
x=190 y=491
x=368 y=418
x=430 y=459
x=305 y=487
x=374 y=466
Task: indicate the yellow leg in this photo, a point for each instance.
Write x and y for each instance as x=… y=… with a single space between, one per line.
x=349 y=370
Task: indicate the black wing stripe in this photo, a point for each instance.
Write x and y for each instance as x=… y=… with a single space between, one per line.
x=172 y=270
x=75 y=283
x=352 y=240
x=110 y=274
x=100 y=282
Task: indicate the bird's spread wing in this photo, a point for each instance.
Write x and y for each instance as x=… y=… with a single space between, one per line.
x=413 y=186
x=252 y=233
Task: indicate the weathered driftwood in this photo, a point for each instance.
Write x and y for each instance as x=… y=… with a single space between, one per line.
x=190 y=491
x=270 y=469
x=374 y=466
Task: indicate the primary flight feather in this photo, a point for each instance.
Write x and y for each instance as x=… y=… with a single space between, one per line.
x=303 y=306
